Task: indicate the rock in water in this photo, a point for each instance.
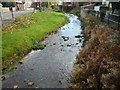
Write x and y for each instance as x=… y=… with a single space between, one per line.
x=30 y=84
x=78 y=36
x=65 y=38
x=62 y=45
x=60 y=81
x=15 y=67
x=3 y=78
x=77 y=43
x=54 y=43
x=24 y=80
x=69 y=45
x=15 y=86
x=20 y=62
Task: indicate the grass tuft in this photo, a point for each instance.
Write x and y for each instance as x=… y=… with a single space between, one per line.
x=37 y=45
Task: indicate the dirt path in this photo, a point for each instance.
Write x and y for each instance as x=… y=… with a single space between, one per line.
x=51 y=67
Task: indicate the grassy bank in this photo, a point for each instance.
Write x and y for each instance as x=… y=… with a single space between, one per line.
x=18 y=37
x=98 y=63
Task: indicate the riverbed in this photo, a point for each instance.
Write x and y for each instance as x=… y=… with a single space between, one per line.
x=52 y=66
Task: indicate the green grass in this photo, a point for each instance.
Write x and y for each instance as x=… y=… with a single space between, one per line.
x=20 y=36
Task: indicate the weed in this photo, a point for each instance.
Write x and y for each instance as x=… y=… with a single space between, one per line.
x=37 y=45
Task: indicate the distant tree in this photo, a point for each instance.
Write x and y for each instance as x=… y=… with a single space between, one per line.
x=98 y=3
x=8 y=4
x=44 y=4
x=115 y=5
x=81 y=3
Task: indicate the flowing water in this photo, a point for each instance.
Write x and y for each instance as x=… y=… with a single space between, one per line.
x=51 y=67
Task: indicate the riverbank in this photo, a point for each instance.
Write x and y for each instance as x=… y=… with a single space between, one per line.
x=18 y=38
x=98 y=64
x=50 y=67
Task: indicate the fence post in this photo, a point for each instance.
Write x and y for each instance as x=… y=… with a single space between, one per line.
x=1 y=11
x=12 y=14
x=97 y=14
x=108 y=18
x=118 y=25
x=11 y=10
x=118 y=22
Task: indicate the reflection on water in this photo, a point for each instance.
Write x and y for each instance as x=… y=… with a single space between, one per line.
x=71 y=29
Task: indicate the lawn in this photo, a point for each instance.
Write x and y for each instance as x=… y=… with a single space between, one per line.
x=18 y=37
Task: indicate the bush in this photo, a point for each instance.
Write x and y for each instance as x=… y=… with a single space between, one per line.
x=75 y=11
x=37 y=45
x=102 y=14
x=8 y=4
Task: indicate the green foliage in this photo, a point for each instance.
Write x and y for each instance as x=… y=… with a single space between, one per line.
x=8 y=4
x=115 y=5
x=75 y=11
x=102 y=14
x=44 y=4
x=56 y=7
x=22 y=33
x=37 y=45
x=81 y=3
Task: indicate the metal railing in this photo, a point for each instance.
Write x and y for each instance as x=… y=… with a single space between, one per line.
x=114 y=18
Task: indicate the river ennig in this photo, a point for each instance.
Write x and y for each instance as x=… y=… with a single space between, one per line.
x=51 y=67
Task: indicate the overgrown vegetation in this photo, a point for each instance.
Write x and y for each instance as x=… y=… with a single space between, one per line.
x=98 y=64
x=8 y=4
x=75 y=11
x=18 y=38
x=37 y=45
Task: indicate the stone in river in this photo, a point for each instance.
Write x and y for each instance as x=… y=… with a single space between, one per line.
x=15 y=86
x=3 y=78
x=30 y=84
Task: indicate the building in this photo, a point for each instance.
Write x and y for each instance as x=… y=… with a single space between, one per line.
x=22 y=4
x=76 y=3
x=19 y=5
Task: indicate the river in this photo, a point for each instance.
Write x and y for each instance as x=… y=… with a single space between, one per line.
x=50 y=67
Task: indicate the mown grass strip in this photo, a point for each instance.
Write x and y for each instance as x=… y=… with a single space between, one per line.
x=20 y=36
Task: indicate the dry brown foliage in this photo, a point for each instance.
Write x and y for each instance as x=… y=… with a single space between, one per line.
x=99 y=61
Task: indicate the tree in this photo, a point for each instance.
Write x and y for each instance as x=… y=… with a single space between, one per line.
x=8 y=4
x=115 y=5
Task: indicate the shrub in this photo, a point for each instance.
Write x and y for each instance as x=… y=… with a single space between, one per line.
x=75 y=11
x=37 y=45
